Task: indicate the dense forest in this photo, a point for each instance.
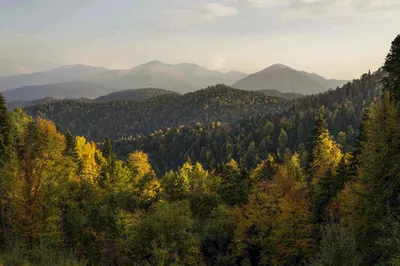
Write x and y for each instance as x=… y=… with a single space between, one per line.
x=118 y=119
x=249 y=140
x=310 y=181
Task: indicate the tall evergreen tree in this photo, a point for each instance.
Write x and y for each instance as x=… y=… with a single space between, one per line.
x=6 y=153
x=107 y=150
x=323 y=152
x=6 y=139
x=235 y=184
x=318 y=130
x=391 y=83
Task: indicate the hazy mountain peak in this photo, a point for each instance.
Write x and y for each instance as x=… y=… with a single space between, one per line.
x=278 y=66
x=288 y=80
x=154 y=63
x=79 y=67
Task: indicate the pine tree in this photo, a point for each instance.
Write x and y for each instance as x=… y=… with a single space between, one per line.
x=354 y=159
x=282 y=141
x=107 y=150
x=235 y=185
x=323 y=152
x=6 y=153
x=378 y=184
x=6 y=139
x=329 y=186
x=391 y=83
x=319 y=129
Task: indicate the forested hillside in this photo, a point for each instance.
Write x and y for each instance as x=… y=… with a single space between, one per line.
x=315 y=184
x=250 y=140
x=134 y=95
x=126 y=118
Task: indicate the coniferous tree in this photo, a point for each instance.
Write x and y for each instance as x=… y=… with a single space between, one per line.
x=107 y=150
x=6 y=154
x=6 y=139
x=235 y=184
x=391 y=83
x=319 y=129
x=70 y=147
x=323 y=153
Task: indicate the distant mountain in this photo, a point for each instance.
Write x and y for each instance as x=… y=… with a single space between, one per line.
x=17 y=67
x=285 y=79
x=134 y=95
x=67 y=90
x=58 y=75
x=181 y=78
x=326 y=83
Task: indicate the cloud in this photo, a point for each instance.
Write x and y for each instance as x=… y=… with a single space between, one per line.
x=181 y=19
x=214 y=10
x=331 y=8
x=269 y=3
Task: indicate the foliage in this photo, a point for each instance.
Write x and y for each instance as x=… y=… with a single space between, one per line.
x=214 y=194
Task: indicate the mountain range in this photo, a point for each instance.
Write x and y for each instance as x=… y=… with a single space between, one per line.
x=78 y=81
x=65 y=90
x=181 y=78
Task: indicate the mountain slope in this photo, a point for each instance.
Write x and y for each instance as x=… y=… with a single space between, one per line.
x=58 y=75
x=67 y=90
x=284 y=79
x=133 y=95
x=14 y=104
x=125 y=118
x=181 y=78
x=252 y=139
x=326 y=83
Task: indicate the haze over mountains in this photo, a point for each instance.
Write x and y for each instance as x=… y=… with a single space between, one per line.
x=285 y=79
x=65 y=90
x=79 y=81
x=57 y=75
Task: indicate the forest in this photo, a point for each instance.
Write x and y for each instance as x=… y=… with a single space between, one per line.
x=229 y=178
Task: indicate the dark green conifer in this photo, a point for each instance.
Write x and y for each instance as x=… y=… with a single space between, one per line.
x=391 y=83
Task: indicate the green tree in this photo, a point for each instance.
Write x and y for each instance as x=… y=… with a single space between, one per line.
x=216 y=237
x=235 y=184
x=165 y=236
x=391 y=83
x=377 y=186
x=338 y=248
x=282 y=141
x=323 y=153
x=6 y=156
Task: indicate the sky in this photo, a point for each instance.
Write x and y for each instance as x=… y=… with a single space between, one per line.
x=335 y=38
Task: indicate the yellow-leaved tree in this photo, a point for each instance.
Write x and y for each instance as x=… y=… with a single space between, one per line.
x=40 y=179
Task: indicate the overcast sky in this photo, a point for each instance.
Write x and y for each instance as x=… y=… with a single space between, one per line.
x=335 y=38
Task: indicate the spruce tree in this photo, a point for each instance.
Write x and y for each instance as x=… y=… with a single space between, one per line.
x=70 y=147
x=391 y=83
x=318 y=130
x=107 y=150
x=6 y=139
x=6 y=153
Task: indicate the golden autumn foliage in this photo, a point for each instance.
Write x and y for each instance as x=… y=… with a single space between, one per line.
x=327 y=155
x=41 y=170
x=87 y=153
x=139 y=163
